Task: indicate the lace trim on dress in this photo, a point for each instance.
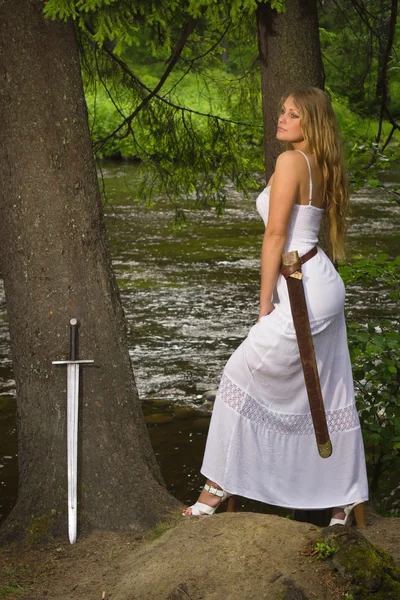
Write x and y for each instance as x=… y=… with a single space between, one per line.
x=338 y=420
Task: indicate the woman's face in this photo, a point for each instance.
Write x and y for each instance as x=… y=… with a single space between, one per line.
x=289 y=123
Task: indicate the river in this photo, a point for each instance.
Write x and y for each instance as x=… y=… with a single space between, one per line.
x=190 y=296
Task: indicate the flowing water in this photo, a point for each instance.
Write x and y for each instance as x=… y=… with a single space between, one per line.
x=190 y=296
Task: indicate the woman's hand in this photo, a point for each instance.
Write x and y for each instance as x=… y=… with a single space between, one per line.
x=266 y=310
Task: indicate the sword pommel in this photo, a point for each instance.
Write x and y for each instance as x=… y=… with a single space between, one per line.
x=325 y=450
x=73 y=338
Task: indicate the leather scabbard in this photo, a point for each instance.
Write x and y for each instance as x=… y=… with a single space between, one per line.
x=291 y=270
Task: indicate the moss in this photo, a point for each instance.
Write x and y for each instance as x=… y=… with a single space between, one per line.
x=369 y=569
x=163 y=526
x=39 y=528
x=363 y=564
x=390 y=590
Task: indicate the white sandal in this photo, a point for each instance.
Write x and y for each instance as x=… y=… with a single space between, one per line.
x=199 y=508
x=351 y=510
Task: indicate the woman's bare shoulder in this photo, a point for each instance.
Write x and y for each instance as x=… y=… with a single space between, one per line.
x=288 y=158
x=288 y=165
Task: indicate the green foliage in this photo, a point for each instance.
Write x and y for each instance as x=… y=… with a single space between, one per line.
x=367 y=163
x=359 y=32
x=200 y=128
x=383 y=271
x=101 y=19
x=217 y=75
x=365 y=160
x=108 y=20
x=354 y=39
x=324 y=550
x=375 y=356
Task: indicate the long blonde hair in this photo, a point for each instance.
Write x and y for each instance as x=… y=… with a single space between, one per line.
x=320 y=130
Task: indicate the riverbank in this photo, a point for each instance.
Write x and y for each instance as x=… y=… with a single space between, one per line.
x=229 y=556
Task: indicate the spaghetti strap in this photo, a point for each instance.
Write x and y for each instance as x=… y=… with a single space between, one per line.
x=309 y=170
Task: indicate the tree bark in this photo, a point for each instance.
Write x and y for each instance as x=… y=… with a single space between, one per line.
x=56 y=265
x=290 y=56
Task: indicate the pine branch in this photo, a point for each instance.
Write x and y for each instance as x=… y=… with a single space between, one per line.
x=154 y=94
x=193 y=60
x=338 y=69
x=188 y=29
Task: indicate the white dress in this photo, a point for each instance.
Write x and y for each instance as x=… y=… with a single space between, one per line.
x=261 y=443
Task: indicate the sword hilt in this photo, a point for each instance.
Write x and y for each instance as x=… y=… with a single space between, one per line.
x=73 y=339
x=291 y=265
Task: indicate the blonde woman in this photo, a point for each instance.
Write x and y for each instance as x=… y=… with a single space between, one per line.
x=261 y=441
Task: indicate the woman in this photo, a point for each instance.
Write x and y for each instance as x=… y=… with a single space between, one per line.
x=261 y=441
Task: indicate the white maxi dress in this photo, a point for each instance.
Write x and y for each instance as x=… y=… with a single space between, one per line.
x=261 y=443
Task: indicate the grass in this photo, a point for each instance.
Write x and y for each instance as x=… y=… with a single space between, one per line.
x=163 y=526
x=11 y=582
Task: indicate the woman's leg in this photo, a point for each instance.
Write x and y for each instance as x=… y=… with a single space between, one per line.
x=338 y=512
x=206 y=498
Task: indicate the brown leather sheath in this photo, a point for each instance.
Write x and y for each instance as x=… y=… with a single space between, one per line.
x=291 y=270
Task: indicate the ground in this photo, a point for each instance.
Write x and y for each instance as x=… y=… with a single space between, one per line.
x=228 y=556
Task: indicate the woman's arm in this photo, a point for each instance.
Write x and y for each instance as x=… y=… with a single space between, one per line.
x=283 y=195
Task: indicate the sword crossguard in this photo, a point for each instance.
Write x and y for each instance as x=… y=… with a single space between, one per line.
x=71 y=362
x=73 y=347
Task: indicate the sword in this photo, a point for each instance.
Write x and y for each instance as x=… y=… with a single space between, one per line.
x=291 y=270
x=72 y=425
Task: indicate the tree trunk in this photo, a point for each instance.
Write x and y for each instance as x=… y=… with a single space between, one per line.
x=56 y=265
x=290 y=56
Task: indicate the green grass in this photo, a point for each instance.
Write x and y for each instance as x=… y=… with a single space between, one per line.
x=12 y=587
x=162 y=527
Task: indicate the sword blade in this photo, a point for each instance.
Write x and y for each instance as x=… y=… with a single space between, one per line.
x=72 y=447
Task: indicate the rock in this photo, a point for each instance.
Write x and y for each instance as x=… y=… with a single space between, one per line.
x=204 y=387
x=368 y=568
x=235 y=556
x=181 y=592
x=158 y=402
x=207 y=406
x=209 y=396
x=185 y=412
x=293 y=591
x=230 y=556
